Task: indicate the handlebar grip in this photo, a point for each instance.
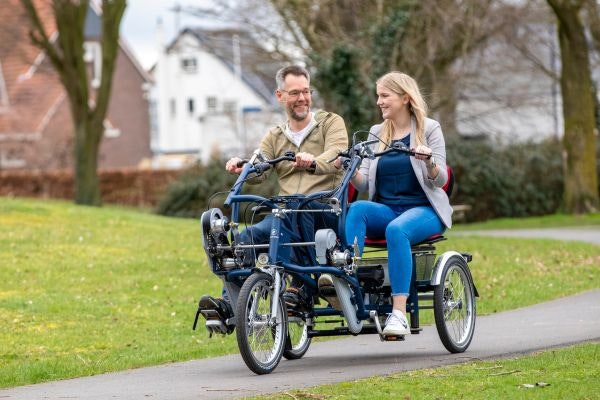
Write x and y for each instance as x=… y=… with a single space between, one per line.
x=262 y=167
x=241 y=163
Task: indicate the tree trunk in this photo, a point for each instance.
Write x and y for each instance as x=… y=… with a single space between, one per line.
x=66 y=54
x=579 y=141
x=87 y=184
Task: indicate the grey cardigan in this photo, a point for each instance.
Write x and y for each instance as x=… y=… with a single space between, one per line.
x=432 y=187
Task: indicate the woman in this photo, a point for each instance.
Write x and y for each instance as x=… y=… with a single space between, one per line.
x=407 y=203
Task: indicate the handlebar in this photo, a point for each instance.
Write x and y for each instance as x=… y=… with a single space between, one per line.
x=363 y=149
x=257 y=168
x=401 y=148
x=288 y=156
x=266 y=165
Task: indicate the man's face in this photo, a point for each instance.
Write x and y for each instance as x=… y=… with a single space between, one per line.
x=295 y=97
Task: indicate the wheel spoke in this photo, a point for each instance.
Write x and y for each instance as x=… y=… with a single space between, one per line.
x=456 y=311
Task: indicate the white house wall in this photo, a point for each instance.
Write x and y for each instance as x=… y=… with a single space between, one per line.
x=202 y=132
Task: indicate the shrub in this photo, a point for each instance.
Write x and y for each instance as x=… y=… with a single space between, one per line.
x=517 y=180
x=125 y=186
x=203 y=187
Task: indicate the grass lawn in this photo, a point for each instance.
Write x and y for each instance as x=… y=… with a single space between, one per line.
x=89 y=290
x=568 y=373
x=548 y=221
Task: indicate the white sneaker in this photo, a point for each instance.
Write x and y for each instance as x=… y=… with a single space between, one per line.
x=396 y=324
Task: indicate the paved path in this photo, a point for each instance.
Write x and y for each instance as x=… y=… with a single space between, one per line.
x=590 y=234
x=556 y=323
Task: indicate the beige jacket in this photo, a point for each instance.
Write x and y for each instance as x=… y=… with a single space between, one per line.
x=325 y=140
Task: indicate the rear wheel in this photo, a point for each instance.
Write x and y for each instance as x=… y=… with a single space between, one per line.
x=260 y=335
x=297 y=341
x=454 y=305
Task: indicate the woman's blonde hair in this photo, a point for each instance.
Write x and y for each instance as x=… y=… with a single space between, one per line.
x=401 y=84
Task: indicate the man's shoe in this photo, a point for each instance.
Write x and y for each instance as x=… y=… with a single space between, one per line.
x=295 y=300
x=396 y=324
x=327 y=291
x=216 y=311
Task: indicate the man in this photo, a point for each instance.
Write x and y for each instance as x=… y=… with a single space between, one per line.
x=315 y=137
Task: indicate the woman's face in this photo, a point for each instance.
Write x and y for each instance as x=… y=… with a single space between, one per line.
x=391 y=103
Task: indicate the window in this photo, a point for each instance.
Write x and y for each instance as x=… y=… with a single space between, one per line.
x=189 y=64
x=153 y=122
x=93 y=54
x=190 y=104
x=12 y=159
x=229 y=107
x=3 y=91
x=172 y=107
x=211 y=105
x=110 y=131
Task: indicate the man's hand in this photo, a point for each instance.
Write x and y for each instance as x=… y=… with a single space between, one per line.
x=232 y=165
x=304 y=160
x=338 y=162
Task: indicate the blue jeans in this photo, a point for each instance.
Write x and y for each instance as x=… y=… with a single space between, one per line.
x=401 y=227
x=307 y=224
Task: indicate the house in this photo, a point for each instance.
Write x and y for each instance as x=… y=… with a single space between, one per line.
x=36 y=130
x=213 y=95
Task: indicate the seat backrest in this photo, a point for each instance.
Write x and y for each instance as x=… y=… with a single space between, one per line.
x=352 y=193
x=449 y=185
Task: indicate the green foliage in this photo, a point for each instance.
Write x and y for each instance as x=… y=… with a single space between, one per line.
x=204 y=187
x=345 y=88
x=385 y=37
x=518 y=180
x=346 y=77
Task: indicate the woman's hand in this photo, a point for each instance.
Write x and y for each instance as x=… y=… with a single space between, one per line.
x=432 y=170
x=423 y=153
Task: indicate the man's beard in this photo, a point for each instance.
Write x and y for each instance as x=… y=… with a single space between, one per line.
x=299 y=116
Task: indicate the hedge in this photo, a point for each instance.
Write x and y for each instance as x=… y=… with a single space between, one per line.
x=132 y=187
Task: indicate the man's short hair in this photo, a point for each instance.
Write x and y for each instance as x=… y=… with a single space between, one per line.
x=290 y=69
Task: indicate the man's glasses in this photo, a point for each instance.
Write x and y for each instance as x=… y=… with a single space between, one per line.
x=296 y=93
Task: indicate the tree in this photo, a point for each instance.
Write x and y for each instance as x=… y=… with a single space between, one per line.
x=579 y=141
x=426 y=39
x=350 y=43
x=88 y=106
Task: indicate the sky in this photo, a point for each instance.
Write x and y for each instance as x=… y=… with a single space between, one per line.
x=139 y=25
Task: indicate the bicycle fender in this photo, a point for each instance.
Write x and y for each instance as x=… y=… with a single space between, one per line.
x=436 y=275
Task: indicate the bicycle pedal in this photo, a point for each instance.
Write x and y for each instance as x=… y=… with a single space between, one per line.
x=216 y=326
x=210 y=314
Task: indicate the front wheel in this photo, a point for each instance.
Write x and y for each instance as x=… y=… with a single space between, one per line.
x=454 y=305
x=261 y=336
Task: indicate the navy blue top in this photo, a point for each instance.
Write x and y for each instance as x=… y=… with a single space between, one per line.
x=396 y=183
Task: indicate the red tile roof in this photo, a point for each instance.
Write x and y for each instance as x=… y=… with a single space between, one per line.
x=33 y=89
